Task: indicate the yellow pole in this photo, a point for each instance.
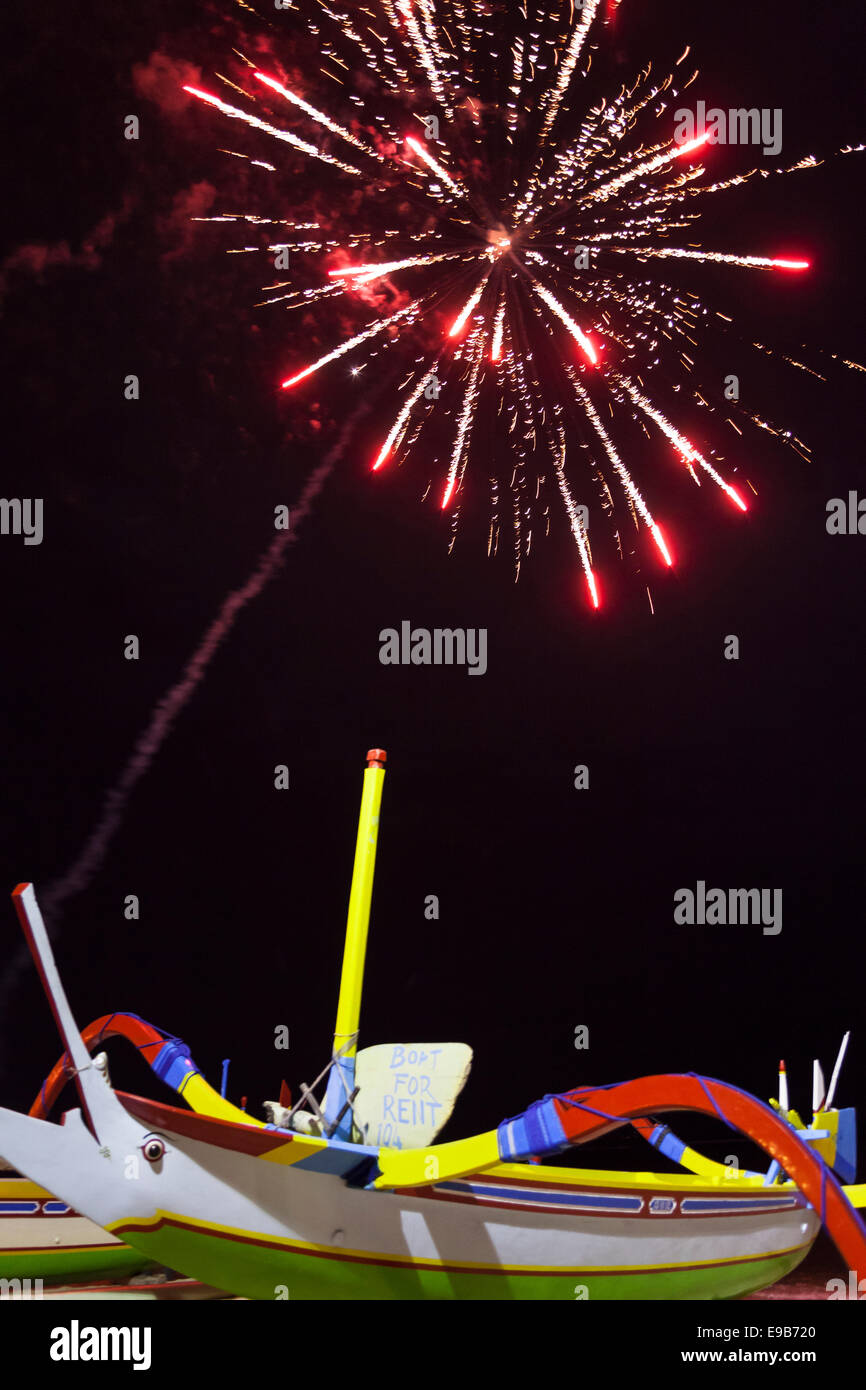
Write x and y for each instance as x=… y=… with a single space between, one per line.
x=355 y=948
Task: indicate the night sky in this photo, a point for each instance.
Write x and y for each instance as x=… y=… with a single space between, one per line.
x=556 y=905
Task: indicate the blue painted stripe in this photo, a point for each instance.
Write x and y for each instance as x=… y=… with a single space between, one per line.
x=845 y=1159
x=735 y=1204
x=336 y=1157
x=667 y=1143
x=547 y=1198
x=55 y=1208
x=18 y=1208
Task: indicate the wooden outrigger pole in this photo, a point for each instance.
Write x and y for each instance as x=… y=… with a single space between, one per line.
x=341 y=1082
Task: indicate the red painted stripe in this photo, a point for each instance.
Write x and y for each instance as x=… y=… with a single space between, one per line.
x=223 y=1134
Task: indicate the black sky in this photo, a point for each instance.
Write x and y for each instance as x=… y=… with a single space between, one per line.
x=556 y=905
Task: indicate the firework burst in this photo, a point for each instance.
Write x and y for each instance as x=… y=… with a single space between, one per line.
x=507 y=236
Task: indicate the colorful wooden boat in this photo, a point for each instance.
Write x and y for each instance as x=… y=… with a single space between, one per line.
x=43 y=1238
x=306 y=1209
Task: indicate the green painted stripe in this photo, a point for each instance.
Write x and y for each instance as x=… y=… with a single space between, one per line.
x=64 y=1265
x=261 y=1272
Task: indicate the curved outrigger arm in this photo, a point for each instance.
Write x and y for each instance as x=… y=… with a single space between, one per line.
x=167 y=1056
x=834 y=1139
x=662 y=1138
x=573 y=1117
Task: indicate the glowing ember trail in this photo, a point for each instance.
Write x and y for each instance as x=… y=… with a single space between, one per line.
x=469 y=404
x=320 y=116
x=432 y=164
x=650 y=166
x=460 y=322
x=687 y=449
x=577 y=528
x=577 y=333
x=424 y=51
x=690 y=146
x=554 y=100
x=631 y=491
x=400 y=423
x=717 y=257
x=496 y=345
x=285 y=135
x=351 y=343
x=363 y=274
x=562 y=203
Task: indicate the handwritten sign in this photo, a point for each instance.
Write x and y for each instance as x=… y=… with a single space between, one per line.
x=407 y=1091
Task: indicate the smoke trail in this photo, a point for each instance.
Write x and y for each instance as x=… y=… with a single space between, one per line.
x=82 y=870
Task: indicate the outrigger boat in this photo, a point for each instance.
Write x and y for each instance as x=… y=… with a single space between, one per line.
x=42 y=1238
x=350 y=1198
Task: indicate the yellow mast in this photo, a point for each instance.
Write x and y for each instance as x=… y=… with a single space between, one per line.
x=342 y=1078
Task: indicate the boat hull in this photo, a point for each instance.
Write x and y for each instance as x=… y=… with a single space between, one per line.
x=267 y=1218
x=43 y=1238
x=271 y=1215
x=256 y=1267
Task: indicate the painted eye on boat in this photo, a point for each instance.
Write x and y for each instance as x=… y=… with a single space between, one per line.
x=153 y=1149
